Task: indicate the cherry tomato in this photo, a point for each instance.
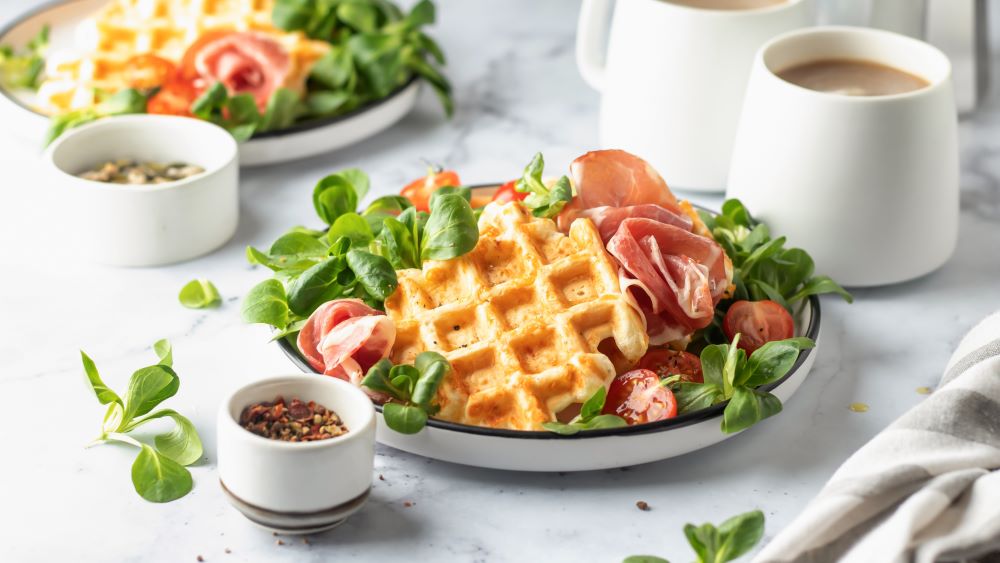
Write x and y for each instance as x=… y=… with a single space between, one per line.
x=174 y=98
x=148 y=71
x=758 y=323
x=638 y=397
x=187 y=68
x=419 y=191
x=666 y=362
x=506 y=193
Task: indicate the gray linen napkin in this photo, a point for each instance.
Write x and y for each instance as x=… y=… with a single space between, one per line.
x=927 y=488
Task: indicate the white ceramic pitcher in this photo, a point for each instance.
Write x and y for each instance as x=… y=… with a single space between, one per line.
x=674 y=78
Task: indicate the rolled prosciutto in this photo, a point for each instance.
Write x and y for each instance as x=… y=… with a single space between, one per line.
x=676 y=277
x=244 y=62
x=345 y=337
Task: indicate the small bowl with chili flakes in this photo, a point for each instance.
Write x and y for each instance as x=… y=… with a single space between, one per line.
x=146 y=190
x=296 y=452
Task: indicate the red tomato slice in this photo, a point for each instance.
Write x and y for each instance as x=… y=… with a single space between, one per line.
x=638 y=397
x=757 y=322
x=187 y=68
x=148 y=71
x=666 y=362
x=174 y=98
x=507 y=193
x=419 y=191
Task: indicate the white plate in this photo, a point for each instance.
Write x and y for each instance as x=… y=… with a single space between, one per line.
x=299 y=141
x=521 y=450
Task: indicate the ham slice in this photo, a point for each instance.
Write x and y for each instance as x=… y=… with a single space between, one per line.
x=607 y=219
x=345 y=337
x=616 y=179
x=674 y=276
x=245 y=63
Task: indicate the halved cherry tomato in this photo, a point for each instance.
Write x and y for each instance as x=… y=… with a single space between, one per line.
x=419 y=191
x=758 y=323
x=666 y=362
x=187 y=69
x=506 y=193
x=148 y=71
x=174 y=98
x=638 y=397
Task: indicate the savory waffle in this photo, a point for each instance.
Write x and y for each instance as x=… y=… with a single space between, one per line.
x=165 y=28
x=532 y=320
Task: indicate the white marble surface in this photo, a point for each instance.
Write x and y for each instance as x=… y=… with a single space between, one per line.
x=518 y=92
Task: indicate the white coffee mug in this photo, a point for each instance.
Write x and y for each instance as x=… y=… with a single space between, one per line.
x=674 y=79
x=868 y=185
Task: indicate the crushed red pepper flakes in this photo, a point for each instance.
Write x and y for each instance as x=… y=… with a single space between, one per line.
x=408 y=504
x=642 y=505
x=279 y=542
x=295 y=422
x=199 y=558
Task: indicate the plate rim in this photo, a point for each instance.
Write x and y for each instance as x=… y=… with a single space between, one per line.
x=812 y=332
x=291 y=130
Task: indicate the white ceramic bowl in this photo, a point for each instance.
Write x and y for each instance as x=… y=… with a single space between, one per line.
x=147 y=225
x=298 y=487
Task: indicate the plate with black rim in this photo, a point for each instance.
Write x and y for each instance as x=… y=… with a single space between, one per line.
x=308 y=138
x=522 y=450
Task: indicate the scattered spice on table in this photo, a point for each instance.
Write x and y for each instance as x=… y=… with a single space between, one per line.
x=228 y=551
x=408 y=504
x=924 y=390
x=642 y=505
x=296 y=421
x=381 y=477
x=279 y=542
x=305 y=541
x=200 y=558
x=126 y=171
x=859 y=407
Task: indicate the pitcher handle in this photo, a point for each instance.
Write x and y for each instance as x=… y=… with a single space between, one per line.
x=591 y=39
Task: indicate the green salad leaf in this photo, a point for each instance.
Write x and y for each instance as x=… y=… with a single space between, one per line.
x=199 y=294
x=763 y=268
x=23 y=69
x=158 y=473
x=729 y=375
x=411 y=390
x=122 y=102
x=358 y=254
x=542 y=200
x=376 y=49
x=590 y=417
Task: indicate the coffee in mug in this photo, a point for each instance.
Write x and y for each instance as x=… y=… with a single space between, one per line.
x=728 y=4
x=852 y=77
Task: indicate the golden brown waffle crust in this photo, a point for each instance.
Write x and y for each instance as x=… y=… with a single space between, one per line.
x=528 y=320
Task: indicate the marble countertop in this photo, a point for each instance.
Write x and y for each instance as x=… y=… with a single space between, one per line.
x=518 y=91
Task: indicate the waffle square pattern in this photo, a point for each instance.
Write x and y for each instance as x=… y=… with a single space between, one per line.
x=532 y=320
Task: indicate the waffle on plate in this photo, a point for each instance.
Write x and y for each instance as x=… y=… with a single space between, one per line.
x=532 y=321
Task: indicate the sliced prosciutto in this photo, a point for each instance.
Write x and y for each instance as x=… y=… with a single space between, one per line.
x=345 y=337
x=607 y=219
x=619 y=180
x=244 y=62
x=676 y=277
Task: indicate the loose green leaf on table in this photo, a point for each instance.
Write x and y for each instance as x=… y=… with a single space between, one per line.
x=158 y=473
x=199 y=294
x=730 y=540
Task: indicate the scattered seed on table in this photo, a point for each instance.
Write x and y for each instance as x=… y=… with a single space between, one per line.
x=279 y=542
x=408 y=504
x=642 y=505
x=859 y=407
x=924 y=390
